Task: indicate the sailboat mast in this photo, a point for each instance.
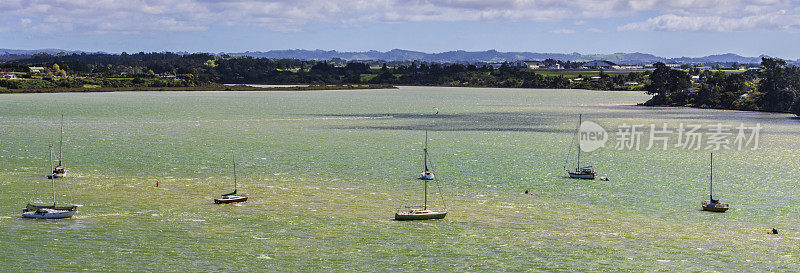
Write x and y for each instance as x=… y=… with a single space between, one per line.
x=426 y=151
x=578 y=133
x=711 y=179
x=425 y=204
x=52 y=177
x=234 y=171
x=61 y=141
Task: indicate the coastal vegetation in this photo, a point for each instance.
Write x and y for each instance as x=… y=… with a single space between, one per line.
x=774 y=88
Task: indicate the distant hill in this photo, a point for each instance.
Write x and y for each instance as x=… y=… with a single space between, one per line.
x=6 y=51
x=458 y=56
x=461 y=56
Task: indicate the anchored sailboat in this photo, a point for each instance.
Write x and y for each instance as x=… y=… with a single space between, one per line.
x=48 y=211
x=585 y=172
x=713 y=204
x=231 y=197
x=421 y=212
x=59 y=170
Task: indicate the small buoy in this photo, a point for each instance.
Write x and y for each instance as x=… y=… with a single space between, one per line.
x=774 y=231
x=526 y=191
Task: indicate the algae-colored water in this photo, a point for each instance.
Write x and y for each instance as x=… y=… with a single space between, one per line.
x=326 y=170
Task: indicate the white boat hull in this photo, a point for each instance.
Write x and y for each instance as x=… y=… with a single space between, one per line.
x=428 y=176
x=49 y=214
x=419 y=214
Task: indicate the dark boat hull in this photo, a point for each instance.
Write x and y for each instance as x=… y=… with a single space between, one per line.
x=715 y=208
x=230 y=200
x=581 y=175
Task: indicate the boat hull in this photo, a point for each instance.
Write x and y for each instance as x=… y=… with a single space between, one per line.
x=575 y=175
x=49 y=214
x=420 y=216
x=55 y=175
x=429 y=177
x=230 y=200
x=715 y=208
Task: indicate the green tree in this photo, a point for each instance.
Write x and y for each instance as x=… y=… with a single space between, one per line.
x=796 y=106
x=665 y=81
x=775 y=83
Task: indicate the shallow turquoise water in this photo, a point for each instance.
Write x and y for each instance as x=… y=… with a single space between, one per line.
x=326 y=170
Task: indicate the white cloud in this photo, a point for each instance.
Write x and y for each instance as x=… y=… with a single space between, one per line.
x=292 y=15
x=563 y=31
x=779 y=21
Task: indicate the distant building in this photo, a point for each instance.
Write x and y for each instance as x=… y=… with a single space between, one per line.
x=165 y=75
x=555 y=66
x=495 y=65
x=667 y=65
x=36 y=69
x=533 y=64
x=8 y=75
x=695 y=78
x=599 y=65
x=631 y=83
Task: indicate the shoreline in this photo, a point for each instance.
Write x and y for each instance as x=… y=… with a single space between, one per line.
x=214 y=87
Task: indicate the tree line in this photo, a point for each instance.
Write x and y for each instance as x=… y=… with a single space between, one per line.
x=773 y=89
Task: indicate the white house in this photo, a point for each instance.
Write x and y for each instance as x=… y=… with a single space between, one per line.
x=36 y=69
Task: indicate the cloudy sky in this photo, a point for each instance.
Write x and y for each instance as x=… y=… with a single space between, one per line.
x=670 y=28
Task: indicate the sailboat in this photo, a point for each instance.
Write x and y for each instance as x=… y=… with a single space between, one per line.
x=59 y=170
x=417 y=212
x=585 y=172
x=231 y=197
x=426 y=173
x=713 y=204
x=48 y=211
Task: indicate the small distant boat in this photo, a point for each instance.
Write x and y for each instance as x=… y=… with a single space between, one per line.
x=713 y=204
x=426 y=174
x=421 y=212
x=48 y=211
x=59 y=170
x=231 y=197
x=585 y=172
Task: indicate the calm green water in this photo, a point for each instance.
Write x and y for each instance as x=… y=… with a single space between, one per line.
x=325 y=172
